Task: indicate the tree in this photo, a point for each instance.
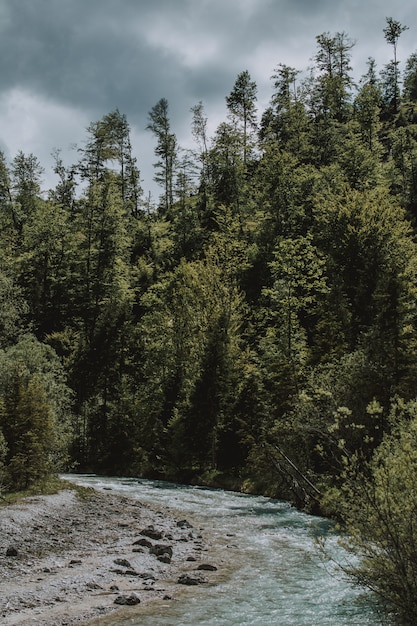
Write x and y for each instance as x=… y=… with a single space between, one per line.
x=110 y=144
x=328 y=95
x=46 y=266
x=367 y=108
x=371 y=276
x=285 y=120
x=26 y=179
x=241 y=103
x=64 y=192
x=166 y=150
x=334 y=81
x=410 y=79
x=199 y=131
x=226 y=168
x=381 y=519
x=28 y=431
x=13 y=310
x=292 y=300
x=392 y=33
x=35 y=411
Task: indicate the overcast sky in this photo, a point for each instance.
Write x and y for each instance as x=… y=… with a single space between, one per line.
x=66 y=63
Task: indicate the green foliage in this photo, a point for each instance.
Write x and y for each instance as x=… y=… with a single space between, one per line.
x=165 y=150
x=35 y=412
x=28 y=430
x=380 y=509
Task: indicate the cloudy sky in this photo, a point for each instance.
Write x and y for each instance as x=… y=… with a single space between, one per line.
x=66 y=63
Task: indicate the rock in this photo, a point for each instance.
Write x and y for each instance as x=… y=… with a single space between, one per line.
x=143 y=542
x=125 y=572
x=130 y=600
x=164 y=558
x=123 y=563
x=207 y=567
x=75 y=562
x=151 y=532
x=188 y=579
x=184 y=524
x=191 y=558
x=147 y=576
x=159 y=549
x=12 y=551
x=91 y=584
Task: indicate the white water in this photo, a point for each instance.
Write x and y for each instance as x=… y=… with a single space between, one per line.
x=279 y=575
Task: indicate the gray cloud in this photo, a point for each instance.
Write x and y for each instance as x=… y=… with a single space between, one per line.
x=79 y=59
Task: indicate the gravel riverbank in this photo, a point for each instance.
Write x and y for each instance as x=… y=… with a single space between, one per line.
x=66 y=559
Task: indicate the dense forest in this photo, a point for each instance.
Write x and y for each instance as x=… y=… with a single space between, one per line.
x=256 y=328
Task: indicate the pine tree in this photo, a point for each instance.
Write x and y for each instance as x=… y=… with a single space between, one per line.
x=166 y=150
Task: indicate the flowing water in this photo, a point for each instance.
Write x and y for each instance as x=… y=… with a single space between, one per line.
x=278 y=577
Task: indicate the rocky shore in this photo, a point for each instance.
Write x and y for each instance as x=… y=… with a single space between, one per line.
x=67 y=559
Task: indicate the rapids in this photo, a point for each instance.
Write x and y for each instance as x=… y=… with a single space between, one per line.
x=279 y=576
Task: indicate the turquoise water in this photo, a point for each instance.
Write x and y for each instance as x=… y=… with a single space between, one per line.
x=279 y=576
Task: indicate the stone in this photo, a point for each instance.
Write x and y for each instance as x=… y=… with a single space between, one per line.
x=125 y=572
x=164 y=558
x=143 y=542
x=130 y=600
x=123 y=563
x=184 y=524
x=12 y=551
x=189 y=579
x=159 y=549
x=207 y=567
x=151 y=532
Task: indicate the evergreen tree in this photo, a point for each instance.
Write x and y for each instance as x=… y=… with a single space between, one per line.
x=241 y=103
x=166 y=150
x=392 y=33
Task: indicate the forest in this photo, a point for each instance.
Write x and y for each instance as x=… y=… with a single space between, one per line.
x=255 y=329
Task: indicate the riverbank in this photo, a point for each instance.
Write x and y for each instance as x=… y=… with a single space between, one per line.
x=67 y=559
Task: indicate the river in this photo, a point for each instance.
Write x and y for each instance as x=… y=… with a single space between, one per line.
x=279 y=576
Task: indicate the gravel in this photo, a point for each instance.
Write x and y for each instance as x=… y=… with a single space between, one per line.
x=66 y=559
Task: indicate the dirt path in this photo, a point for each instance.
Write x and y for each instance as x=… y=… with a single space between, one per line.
x=64 y=560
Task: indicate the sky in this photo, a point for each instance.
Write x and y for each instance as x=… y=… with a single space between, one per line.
x=67 y=63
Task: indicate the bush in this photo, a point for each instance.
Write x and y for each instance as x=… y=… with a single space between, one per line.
x=381 y=514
